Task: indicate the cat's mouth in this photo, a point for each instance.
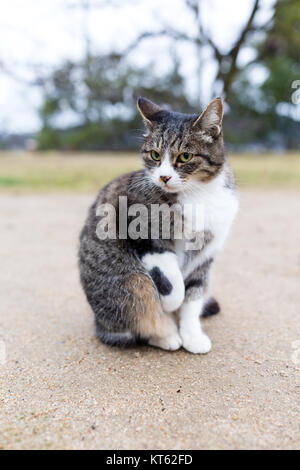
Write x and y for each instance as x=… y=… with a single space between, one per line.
x=169 y=188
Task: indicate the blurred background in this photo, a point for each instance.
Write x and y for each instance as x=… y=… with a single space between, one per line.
x=71 y=71
x=70 y=74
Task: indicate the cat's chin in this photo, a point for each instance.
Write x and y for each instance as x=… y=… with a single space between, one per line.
x=169 y=189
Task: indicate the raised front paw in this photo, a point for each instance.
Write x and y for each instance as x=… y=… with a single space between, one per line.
x=166 y=275
x=173 y=301
x=171 y=289
x=196 y=343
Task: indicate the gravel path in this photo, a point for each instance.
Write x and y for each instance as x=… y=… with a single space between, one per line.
x=60 y=388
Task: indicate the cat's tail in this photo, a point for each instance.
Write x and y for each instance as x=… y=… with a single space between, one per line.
x=122 y=339
x=211 y=307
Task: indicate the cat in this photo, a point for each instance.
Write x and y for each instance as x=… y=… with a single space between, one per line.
x=154 y=290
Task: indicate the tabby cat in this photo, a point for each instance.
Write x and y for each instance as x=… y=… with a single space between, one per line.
x=154 y=290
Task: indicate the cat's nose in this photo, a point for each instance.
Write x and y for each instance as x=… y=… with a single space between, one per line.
x=165 y=179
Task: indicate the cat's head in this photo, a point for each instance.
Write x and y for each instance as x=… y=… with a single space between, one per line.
x=181 y=149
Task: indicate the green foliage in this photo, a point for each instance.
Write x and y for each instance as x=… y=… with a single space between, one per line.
x=48 y=138
x=255 y=114
x=100 y=96
x=280 y=52
x=283 y=38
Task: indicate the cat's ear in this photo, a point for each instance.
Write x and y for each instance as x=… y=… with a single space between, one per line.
x=148 y=109
x=210 y=120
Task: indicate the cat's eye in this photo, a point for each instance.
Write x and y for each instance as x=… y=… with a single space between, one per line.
x=185 y=157
x=155 y=156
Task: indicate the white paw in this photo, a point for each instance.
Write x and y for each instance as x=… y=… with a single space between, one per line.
x=196 y=343
x=170 y=343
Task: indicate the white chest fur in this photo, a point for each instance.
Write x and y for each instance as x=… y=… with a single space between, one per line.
x=218 y=206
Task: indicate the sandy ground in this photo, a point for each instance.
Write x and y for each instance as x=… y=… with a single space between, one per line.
x=60 y=388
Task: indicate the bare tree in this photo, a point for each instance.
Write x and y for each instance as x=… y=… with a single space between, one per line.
x=227 y=63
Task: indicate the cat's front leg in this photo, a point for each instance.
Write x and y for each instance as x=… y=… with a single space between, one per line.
x=193 y=338
x=166 y=274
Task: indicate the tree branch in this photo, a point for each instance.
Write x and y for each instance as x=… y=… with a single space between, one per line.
x=171 y=33
x=193 y=6
x=227 y=63
x=234 y=52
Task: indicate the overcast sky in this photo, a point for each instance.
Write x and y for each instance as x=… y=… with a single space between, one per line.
x=49 y=31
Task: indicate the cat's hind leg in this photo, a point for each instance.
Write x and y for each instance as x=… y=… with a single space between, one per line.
x=171 y=342
x=210 y=308
x=151 y=323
